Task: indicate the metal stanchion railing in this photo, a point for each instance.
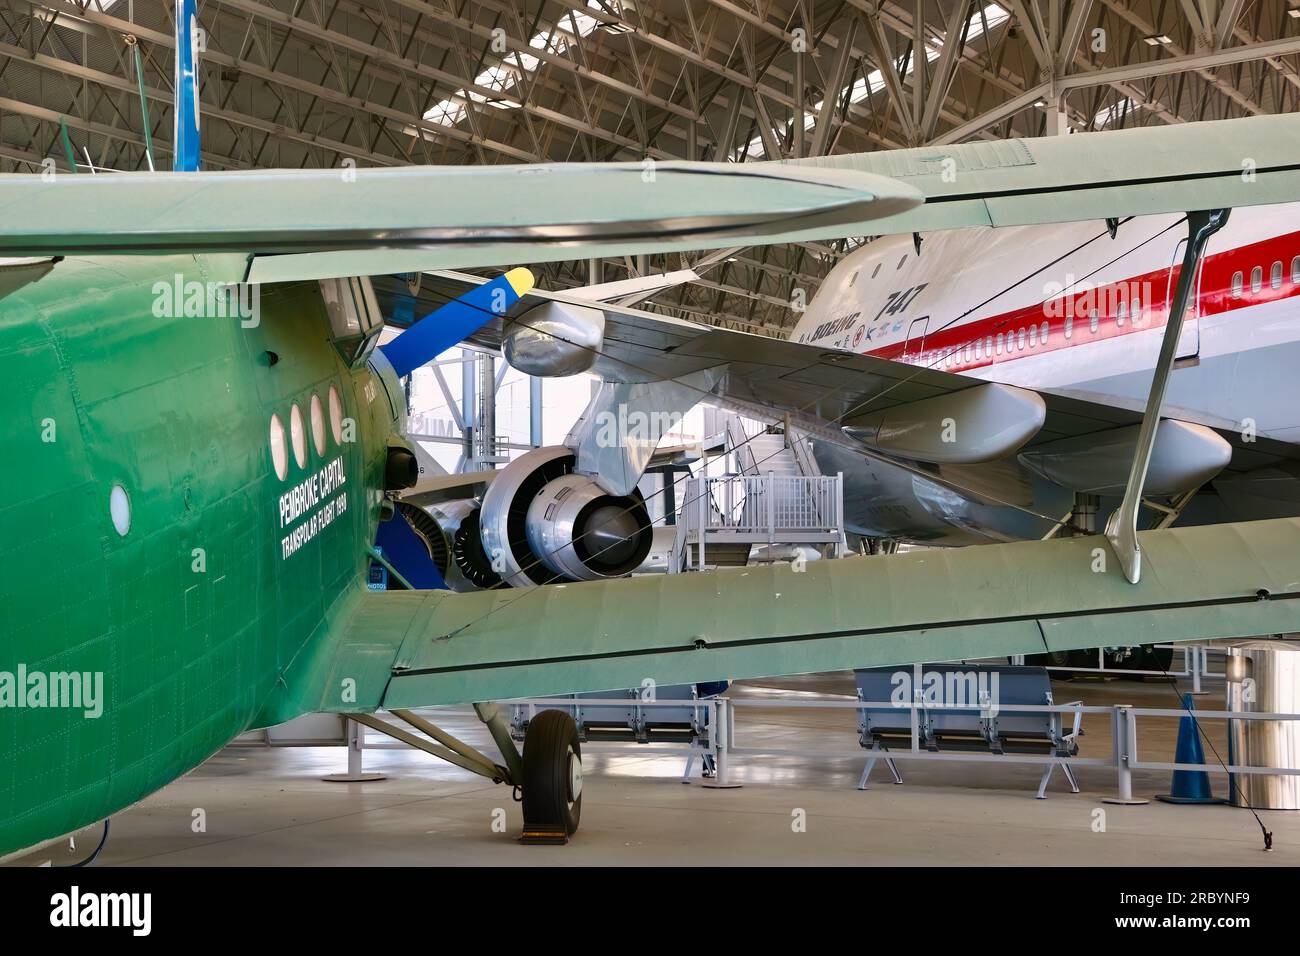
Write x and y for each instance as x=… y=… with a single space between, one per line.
x=1124 y=731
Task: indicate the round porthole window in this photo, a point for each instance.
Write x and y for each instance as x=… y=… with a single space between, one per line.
x=318 y=425
x=119 y=508
x=298 y=436
x=336 y=415
x=279 y=450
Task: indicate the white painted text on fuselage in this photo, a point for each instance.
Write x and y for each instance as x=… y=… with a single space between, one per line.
x=312 y=498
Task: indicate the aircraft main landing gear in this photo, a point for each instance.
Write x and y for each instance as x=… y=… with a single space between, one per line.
x=547 y=775
x=552 y=778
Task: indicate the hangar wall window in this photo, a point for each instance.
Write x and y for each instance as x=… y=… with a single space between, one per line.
x=298 y=436
x=317 y=424
x=1275 y=279
x=354 y=317
x=1236 y=285
x=279 y=450
x=1256 y=278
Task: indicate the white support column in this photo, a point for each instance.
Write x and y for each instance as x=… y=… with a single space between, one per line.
x=1124 y=732
x=535 y=436
x=720 y=734
x=1058 y=121
x=356 y=745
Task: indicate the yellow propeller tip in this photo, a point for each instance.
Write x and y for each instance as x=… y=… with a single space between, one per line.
x=521 y=280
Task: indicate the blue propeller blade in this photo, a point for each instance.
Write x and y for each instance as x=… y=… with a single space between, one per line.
x=186 y=114
x=456 y=321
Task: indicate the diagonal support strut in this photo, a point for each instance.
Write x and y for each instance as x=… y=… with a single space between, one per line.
x=1121 y=529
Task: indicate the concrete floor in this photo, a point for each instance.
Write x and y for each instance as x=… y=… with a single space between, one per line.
x=267 y=806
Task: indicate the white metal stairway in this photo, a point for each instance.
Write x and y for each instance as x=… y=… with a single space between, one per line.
x=778 y=498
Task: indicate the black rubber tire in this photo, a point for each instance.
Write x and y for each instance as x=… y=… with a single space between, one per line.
x=550 y=743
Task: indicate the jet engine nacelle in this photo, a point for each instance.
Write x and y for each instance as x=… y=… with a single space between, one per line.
x=977 y=424
x=1185 y=456
x=542 y=522
x=581 y=531
x=554 y=339
x=469 y=568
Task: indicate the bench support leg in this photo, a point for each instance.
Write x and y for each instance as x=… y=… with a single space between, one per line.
x=866 y=772
x=871 y=764
x=1047 y=775
x=706 y=762
x=893 y=768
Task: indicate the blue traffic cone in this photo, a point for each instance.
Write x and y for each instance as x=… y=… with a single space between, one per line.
x=1189 y=786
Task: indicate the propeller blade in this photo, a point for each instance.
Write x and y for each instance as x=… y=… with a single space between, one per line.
x=456 y=321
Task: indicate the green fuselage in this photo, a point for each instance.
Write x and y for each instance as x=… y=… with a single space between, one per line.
x=196 y=615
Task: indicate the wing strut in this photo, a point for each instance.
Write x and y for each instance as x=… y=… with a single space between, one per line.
x=1121 y=530
x=447 y=748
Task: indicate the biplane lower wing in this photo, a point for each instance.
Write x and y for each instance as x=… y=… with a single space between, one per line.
x=410 y=649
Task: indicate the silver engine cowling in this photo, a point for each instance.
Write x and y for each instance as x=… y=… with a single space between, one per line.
x=553 y=339
x=581 y=531
x=467 y=567
x=541 y=522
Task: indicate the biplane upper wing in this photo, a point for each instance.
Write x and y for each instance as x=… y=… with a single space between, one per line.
x=301 y=224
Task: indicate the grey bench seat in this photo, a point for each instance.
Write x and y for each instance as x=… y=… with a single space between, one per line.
x=963 y=708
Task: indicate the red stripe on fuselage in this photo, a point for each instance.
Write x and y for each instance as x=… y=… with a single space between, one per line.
x=1067 y=321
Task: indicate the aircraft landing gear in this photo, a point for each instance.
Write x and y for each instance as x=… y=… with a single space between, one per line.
x=547 y=776
x=552 y=775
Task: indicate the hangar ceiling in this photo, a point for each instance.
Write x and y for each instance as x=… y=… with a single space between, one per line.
x=316 y=83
